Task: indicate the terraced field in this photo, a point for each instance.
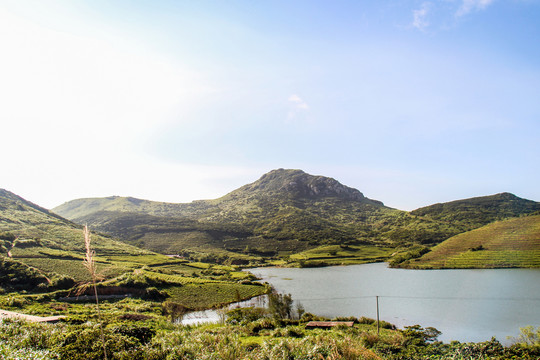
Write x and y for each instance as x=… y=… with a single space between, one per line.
x=509 y=243
x=342 y=255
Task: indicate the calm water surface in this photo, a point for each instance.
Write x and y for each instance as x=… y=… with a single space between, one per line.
x=466 y=305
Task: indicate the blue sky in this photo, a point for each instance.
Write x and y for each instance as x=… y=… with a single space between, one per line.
x=411 y=102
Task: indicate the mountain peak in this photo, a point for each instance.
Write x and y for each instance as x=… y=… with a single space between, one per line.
x=299 y=184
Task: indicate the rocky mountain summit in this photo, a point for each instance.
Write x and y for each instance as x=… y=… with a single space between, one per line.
x=297 y=183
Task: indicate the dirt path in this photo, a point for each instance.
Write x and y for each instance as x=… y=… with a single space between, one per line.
x=5 y=314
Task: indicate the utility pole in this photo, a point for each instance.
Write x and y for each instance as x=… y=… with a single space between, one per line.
x=377 y=298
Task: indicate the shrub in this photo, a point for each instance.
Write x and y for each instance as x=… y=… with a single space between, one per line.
x=245 y=315
x=307 y=317
x=86 y=344
x=141 y=281
x=261 y=324
x=366 y=320
x=175 y=310
x=142 y=333
x=61 y=282
x=135 y=317
x=27 y=243
x=152 y=293
x=346 y=318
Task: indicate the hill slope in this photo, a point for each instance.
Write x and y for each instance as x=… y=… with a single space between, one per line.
x=41 y=251
x=509 y=243
x=284 y=212
x=478 y=211
x=34 y=236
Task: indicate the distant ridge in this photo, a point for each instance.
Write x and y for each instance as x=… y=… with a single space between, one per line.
x=280 y=184
x=479 y=211
x=286 y=211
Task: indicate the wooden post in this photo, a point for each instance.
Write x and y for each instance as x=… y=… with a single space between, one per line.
x=377 y=298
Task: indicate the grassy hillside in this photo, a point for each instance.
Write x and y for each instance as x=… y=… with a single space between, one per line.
x=41 y=251
x=283 y=213
x=508 y=243
x=475 y=212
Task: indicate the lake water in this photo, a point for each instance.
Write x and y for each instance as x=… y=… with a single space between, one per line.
x=466 y=305
x=214 y=316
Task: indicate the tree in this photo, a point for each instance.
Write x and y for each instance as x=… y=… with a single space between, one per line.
x=280 y=305
x=300 y=309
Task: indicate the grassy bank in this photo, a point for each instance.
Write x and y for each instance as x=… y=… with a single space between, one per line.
x=140 y=330
x=512 y=243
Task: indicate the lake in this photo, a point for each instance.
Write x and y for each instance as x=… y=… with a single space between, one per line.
x=466 y=305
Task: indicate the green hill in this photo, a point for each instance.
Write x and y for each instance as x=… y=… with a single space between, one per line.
x=285 y=212
x=509 y=243
x=479 y=211
x=42 y=252
x=36 y=228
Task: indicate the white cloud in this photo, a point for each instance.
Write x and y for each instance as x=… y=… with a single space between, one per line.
x=298 y=102
x=420 y=16
x=297 y=107
x=468 y=6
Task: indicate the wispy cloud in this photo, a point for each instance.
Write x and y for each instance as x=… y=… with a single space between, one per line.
x=298 y=102
x=420 y=16
x=297 y=106
x=468 y=6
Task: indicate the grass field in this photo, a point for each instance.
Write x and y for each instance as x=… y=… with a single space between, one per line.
x=509 y=243
x=212 y=294
x=341 y=255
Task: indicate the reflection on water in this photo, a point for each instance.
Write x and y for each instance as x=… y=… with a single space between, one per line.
x=214 y=316
x=466 y=305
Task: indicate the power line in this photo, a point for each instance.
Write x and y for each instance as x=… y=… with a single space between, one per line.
x=421 y=298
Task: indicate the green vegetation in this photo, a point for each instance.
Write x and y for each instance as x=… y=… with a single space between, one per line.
x=509 y=243
x=287 y=215
x=340 y=255
x=311 y=221
x=476 y=212
x=43 y=253
x=137 y=329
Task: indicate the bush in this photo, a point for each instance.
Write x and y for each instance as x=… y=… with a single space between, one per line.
x=245 y=315
x=152 y=293
x=346 y=318
x=62 y=282
x=85 y=344
x=175 y=310
x=140 y=281
x=307 y=317
x=142 y=333
x=261 y=324
x=366 y=320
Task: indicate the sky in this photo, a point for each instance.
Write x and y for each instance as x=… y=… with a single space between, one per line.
x=410 y=102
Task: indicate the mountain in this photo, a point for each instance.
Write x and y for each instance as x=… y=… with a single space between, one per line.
x=512 y=242
x=284 y=212
x=283 y=185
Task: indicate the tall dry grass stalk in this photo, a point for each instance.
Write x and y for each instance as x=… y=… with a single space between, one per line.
x=90 y=265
